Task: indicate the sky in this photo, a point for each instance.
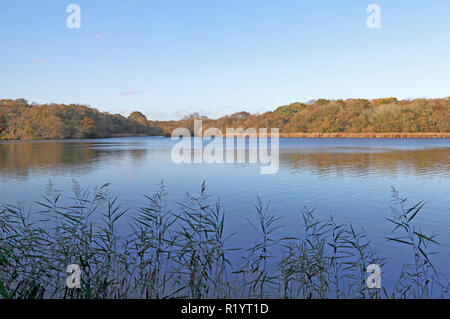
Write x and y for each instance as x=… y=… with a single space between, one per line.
x=171 y=58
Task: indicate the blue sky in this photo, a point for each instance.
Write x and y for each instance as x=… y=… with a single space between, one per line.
x=171 y=58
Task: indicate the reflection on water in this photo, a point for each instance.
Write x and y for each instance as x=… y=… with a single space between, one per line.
x=417 y=162
x=19 y=159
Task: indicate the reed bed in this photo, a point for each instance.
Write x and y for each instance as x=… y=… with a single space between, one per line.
x=182 y=251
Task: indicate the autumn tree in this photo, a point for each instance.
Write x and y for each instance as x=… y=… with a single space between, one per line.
x=88 y=126
x=21 y=120
x=138 y=117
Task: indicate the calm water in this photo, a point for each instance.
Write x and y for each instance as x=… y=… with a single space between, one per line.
x=350 y=179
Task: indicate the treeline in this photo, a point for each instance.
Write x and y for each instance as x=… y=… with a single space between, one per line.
x=21 y=120
x=24 y=121
x=328 y=116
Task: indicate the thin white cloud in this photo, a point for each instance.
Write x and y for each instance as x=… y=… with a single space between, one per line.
x=131 y=92
x=39 y=61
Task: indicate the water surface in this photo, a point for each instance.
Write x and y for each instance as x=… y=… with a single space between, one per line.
x=350 y=179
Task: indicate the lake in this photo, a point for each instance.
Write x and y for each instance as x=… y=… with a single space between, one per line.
x=350 y=179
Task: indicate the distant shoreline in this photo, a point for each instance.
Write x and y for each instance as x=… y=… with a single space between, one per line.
x=367 y=135
x=337 y=135
x=340 y=135
x=364 y=135
x=283 y=135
